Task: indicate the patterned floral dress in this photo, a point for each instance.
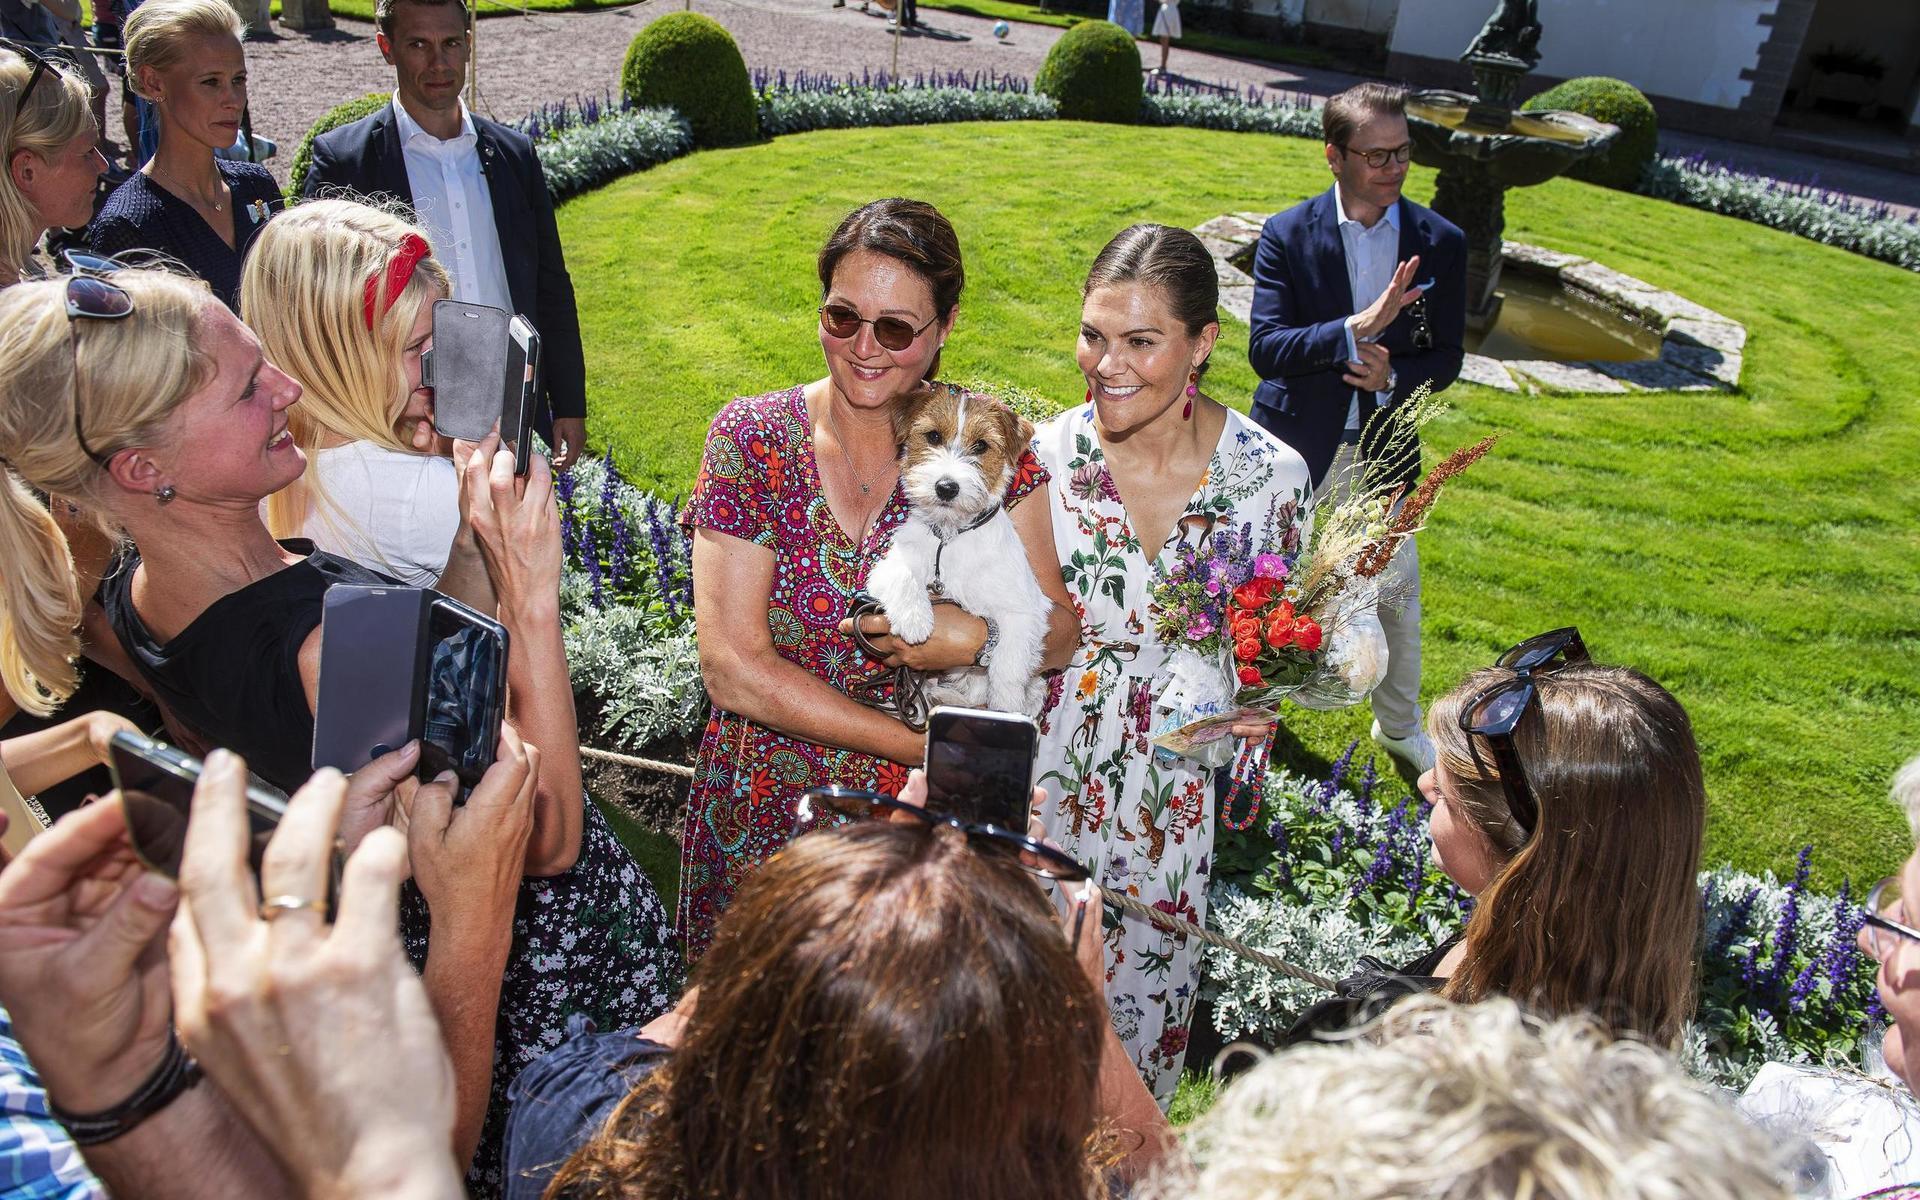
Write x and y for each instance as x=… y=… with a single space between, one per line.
x=759 y=482
x=1141 y=818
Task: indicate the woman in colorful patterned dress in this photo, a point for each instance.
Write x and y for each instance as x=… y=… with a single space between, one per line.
x=798 y=496
x=1149 y=463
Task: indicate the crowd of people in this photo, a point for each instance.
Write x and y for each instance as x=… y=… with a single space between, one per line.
x=218 y=414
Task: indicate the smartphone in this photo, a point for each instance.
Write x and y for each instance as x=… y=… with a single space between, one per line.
x=522 y=391
x=156 y=782
x=465 y=366
x=373 y=645
x=465 y=690
x=980 y=765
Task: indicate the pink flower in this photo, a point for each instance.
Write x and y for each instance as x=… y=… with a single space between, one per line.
x=1199 y=627
x=1269 y=566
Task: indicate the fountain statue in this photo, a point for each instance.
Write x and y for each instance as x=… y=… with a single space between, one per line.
x=1481 y=147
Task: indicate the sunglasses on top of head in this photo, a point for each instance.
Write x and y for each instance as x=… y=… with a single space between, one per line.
x=1496 y=712
x=844 y=321
x=822 y=807
x=41 y=65
x=91 y=297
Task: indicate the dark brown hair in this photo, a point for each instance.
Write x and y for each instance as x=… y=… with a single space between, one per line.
x=884 y=1012
x=911 y=232
x=383 y=11
x=1599 y=909
x=1356 y=106
x=1169 y=259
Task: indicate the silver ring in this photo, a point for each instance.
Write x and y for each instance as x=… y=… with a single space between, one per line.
x=275 y=905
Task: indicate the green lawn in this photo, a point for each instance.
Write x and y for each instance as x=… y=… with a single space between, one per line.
x=1756 y=553
x=1211 y=43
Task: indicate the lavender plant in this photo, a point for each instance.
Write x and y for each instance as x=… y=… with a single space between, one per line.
x=587 y=154
x=1803 y=208
x=1338 y=874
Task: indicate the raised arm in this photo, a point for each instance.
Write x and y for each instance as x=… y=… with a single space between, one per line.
x=1282 y=343
x=744 y=674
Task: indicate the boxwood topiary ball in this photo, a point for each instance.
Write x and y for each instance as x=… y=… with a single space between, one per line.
x=1093 y=73
x=1617 y=103
x=688 y=62
x=332 y=119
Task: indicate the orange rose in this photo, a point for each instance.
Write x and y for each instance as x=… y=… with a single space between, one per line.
x=1306 y=634
x=1246 y=651
x=1250 y=677
x=1279 y=631
x=1253 y=593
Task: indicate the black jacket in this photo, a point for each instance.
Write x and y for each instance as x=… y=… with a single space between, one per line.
x=365 y=157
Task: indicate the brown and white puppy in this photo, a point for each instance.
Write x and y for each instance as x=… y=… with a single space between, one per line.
x=958 y=452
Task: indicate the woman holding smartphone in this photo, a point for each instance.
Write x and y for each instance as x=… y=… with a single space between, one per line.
x=1147 y=465
x=141 y=394
x=798 y=497
x=380 y=487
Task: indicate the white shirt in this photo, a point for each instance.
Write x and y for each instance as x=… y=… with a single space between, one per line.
x=1372 y=257
x=451 y=200
x=389 y=511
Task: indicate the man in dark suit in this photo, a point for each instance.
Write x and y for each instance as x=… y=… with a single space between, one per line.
x=1359 y=298
x=476 y=187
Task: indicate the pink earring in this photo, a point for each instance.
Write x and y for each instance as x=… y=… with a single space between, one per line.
x=1089 y=393
x=1193 y=389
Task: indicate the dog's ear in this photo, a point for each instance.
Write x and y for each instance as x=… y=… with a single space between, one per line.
x=906 y=410
x=1015 y=430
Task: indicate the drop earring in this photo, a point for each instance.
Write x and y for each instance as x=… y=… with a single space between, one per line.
x=1089 y=393
x=1193 y=389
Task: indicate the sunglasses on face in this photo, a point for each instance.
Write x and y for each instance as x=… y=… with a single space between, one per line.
x=819 y=807
x=1495 y=713
x=1378 y=159
x=1884 y=935
x=91 y=298
x=844 y=321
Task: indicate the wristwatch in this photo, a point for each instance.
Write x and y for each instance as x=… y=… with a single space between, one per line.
x=1393 y=380
x=986 y=647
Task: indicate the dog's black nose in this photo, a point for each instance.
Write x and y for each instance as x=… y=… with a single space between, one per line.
x=946 y=489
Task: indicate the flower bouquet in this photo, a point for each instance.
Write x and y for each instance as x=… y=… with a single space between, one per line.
x=1297 y=619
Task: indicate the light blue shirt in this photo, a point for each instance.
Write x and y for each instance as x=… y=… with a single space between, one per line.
x=1372 y=256
x=38 y=1161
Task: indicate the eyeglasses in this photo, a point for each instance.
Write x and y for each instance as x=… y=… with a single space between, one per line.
x=41 y=65
x=92 y=298
x=1379 y=158
x=818 y=805
x=843 y=321
x=1883 y=935
x=1496 y=712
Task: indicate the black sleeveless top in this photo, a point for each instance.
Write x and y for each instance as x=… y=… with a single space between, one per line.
x=233 y=675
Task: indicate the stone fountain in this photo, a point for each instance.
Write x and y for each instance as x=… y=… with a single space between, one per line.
x=1481 y=147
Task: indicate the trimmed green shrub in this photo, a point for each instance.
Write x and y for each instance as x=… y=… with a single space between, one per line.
x=1093 y=71
x=333 y=118
x=688 y=62
x=1616 y=103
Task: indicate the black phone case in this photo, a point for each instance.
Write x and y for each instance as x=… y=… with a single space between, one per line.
x=373 y=647
x=469 y=362
x=432 y=759
x=990 y=739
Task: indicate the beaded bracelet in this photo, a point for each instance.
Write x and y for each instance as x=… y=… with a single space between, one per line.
x=176 y=1073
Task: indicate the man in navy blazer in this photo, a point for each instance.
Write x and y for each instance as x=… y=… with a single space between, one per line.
x=1359 y=297
x=476 y=187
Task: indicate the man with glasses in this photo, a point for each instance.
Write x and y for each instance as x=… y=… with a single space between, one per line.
x=1359 y=297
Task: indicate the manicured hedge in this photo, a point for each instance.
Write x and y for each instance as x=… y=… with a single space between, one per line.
x=1617 y=103
x=1093 y=72
x=689 y=62
x=333 y=118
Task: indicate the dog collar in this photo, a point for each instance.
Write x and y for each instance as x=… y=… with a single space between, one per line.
x=985 y=516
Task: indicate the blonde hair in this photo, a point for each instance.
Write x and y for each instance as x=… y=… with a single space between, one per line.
x=1598 y=907
x=131 y=374
x=1906 y=793
x=1439 y=1101
x=58 y=112
x=155 y=34
x=303 y=291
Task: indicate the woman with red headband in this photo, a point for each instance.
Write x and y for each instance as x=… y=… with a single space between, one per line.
x=140 y=395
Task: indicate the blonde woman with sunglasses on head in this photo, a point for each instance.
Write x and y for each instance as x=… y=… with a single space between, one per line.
x=53 y=157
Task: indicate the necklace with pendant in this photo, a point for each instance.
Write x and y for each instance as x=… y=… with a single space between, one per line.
x=214 y=204
x=866 y=487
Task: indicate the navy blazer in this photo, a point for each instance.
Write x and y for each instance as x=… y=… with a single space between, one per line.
x=365 y=157
x=1301 y=302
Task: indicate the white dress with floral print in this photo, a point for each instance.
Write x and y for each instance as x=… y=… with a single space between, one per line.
x=1141 y=818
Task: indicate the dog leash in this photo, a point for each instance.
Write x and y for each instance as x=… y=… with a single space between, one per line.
x=940 y=546
x=897 y=692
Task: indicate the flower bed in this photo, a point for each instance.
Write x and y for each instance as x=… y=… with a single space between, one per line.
x=1337 y=875
x=1805 y=209
x=808 y=101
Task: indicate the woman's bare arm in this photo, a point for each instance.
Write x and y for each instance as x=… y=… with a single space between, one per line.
x=1033 y=521
x=732 y=579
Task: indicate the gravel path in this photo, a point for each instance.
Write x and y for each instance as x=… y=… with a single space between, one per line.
x=525 y=62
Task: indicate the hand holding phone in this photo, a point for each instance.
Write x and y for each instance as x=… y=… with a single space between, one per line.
x=980 y=765
x=156 y=785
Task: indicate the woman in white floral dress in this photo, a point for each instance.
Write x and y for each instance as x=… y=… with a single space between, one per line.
x=1147 y=463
